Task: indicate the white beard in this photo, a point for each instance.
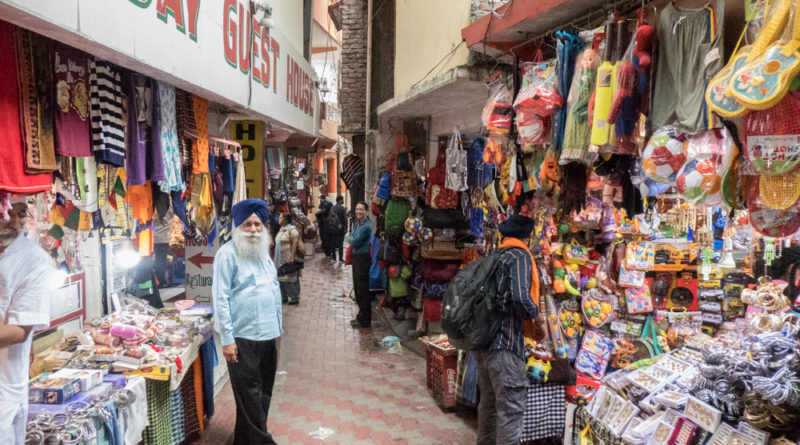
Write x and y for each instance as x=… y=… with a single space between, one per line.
x=251 y=246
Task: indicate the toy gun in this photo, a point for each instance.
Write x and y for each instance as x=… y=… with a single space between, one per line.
x=553 y=324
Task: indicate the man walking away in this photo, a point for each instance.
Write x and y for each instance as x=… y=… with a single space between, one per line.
x=501 y=368
x=337 y=224
x=322 y=216
x=247 y=305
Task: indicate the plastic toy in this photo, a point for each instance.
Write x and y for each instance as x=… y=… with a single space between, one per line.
x=664 y=155
x=762 y=82
x=597 y=308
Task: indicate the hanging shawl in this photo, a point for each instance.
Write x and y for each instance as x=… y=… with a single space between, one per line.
x=568 y=47
x=240 y=190
x=36 y=78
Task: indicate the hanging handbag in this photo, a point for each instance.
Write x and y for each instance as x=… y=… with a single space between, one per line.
x=437 y=195
x=348 y=256
x=404 y=180
x=456 y=164
x=444 y=218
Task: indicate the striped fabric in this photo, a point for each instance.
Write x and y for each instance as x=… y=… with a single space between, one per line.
x=514 y=289
x=105 y=95
x=352 y=169
x=177 y=416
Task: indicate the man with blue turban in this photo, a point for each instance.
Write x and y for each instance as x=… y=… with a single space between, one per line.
x=247 y=307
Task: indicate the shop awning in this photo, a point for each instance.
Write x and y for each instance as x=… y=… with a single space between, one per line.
x=459 y=88
x=517 y=22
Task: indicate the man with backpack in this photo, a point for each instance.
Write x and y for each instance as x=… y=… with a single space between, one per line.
x=501 y=366
x=337 y=226
x=322 y=222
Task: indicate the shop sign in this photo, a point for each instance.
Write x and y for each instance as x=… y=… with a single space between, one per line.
x=249 y=134
x=199 y=271
x=205 y=46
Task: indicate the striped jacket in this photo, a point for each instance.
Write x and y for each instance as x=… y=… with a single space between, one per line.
x=514 y=285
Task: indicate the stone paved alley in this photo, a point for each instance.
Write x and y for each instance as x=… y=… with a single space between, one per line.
x=333 y=376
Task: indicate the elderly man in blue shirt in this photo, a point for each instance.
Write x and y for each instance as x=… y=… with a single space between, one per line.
x=247 y=307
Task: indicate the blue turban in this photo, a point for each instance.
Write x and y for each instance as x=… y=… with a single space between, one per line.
x=253 y=206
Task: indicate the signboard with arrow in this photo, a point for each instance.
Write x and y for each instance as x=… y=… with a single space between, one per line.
x=199 y=259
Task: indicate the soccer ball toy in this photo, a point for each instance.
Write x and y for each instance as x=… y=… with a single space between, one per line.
x=699 y=179
x=426 y=234
x=409 y=238
x=413 y=225
x=664 y=155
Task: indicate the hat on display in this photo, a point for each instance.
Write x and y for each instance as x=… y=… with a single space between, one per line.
x=518 y=226
x=245 y=209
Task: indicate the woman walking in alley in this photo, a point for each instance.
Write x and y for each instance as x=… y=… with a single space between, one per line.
x=359 y=240
x=286 y=248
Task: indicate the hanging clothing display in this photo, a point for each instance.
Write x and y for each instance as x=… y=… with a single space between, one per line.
x=72 y=100
x=106 y=99
x=12 y=170
x=36 y=71
x=143 y=160
x=168 y=129
x=690 y=53
x=200 y=145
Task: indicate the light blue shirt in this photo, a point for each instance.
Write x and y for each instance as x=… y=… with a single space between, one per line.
x=247 y=298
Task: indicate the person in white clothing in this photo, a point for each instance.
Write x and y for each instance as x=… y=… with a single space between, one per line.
x=25 y=270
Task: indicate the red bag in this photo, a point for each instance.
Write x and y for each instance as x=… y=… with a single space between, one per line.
x=437 y=195
x=437 y=271
x=348 y=256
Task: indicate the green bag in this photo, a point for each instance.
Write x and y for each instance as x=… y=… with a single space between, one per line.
x=396 y=214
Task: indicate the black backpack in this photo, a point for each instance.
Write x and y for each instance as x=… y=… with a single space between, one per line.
x=471 y=314
x=333 y=222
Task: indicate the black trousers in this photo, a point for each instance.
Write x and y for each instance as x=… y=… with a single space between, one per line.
x=251 y=380
x=337 y=245
x=361 y=263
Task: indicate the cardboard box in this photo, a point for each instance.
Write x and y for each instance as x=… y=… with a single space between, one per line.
x=50 y=390
x=89 y=378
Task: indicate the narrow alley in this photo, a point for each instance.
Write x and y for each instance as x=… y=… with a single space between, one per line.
x=333 y=376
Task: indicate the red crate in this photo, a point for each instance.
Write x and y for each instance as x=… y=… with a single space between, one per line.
x=442 y=377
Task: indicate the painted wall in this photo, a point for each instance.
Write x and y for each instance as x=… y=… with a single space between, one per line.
x=426 y=32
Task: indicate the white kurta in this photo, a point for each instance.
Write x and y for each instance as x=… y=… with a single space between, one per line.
x=24 y=271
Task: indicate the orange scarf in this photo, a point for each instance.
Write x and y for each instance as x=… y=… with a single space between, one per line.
x=534 y=292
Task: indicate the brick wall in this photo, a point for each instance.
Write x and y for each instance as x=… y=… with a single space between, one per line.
x=352 y=95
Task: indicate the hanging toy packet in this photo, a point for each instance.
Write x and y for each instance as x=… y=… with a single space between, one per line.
x=498 y=113
x=638 y=300
x=640 y=256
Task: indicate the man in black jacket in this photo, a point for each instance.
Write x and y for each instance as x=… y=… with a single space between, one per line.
x=337 y=228
x=322 y=216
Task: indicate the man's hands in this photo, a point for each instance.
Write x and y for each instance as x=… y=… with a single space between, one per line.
x=231 y=353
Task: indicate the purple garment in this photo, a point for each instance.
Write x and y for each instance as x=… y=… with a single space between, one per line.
x=73 y=137
x=143 y=159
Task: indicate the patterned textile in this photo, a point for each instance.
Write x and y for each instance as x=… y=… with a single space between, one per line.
x=36 y=76
x=169 y=139
x=105 y=99
x=200 y=145
x=159 y=431
x=193 y=401
x=187 y=131
x=177 y=416
x=545 y=412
